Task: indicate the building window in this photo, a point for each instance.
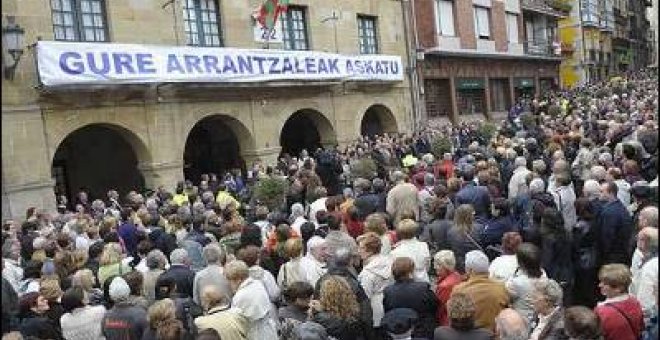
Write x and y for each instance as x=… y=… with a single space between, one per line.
x=294 y=29
x=512 y=27
x=367 y=34
x=445 y=15
x=202 y=23
x=79 y=20
x=438 y=97
x=590 y=13
x=482 y=22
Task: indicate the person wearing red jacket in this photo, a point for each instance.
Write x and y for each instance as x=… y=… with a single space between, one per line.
x=620 y=314
x=445 y=167
x=448 y=277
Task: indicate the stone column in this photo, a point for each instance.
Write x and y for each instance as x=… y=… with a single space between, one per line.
x=162 y=174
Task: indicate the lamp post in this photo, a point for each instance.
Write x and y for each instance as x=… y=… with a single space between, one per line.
x=12 y=38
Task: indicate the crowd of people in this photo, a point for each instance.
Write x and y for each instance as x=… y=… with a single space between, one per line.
x=545 y=229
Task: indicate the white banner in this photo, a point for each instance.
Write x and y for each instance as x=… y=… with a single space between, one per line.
x=68 y=63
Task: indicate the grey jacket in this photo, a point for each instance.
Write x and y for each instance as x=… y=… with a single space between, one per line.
x=212 y=275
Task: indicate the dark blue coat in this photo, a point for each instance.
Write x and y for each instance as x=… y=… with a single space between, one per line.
x=495 y=229
x=478 y=197
x=615 y=228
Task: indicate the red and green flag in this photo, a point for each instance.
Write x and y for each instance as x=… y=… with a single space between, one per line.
x=267 y=14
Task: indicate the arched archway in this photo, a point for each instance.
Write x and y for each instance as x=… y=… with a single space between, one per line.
x=97 y=158
x=306 y=129
x=377 y=120
x=214 y=145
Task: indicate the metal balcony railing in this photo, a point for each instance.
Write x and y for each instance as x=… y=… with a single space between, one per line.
x=542 y=48
x=548 y=7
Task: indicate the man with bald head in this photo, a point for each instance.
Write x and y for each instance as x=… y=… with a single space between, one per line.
x=510 y=325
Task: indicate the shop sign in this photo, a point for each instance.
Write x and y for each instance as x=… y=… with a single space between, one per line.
x=67 y=63
x=470 y=83
x=524 y=82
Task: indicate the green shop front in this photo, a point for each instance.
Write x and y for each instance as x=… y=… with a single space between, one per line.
x=471 y=95
x=524 y=87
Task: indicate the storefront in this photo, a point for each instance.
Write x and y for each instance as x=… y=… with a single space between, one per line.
x=471 y=95
x=463 y=85
x=524 y=87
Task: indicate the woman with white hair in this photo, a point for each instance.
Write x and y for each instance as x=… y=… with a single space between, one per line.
x=445 y=268
x=297 y=217
x=644 y=270
x=156 y=264
x=314 y=262
x=546 y=298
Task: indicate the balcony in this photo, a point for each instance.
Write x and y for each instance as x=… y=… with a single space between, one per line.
x=546 y=7
x=542 y=48
x=563 y=6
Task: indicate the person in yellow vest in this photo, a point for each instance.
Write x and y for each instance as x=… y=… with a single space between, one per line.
x=409 y=160
x=181 y=197
x=224 y=198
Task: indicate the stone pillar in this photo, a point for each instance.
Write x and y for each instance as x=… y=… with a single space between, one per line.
x=488 y=114
x=268 y=156
x=166 y=175
x=453 y=116
x=19 y=198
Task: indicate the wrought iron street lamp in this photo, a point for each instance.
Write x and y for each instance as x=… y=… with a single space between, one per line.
x=12 y=39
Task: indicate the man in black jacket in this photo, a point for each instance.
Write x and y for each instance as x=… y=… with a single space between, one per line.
x=616 y=227
x=180 y=272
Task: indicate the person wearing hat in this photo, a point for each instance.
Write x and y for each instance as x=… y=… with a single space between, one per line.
x=409 y=293
x=125 y=320
x=399 y=323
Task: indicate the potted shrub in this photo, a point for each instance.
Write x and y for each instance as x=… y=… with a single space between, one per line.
x=554 y=111
x=364 y=168
x=440 y=146
x=487 y=130
x=528 y=120
x=271 y=192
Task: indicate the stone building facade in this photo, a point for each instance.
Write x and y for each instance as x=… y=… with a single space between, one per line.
x=59 y=140
x=481 y=55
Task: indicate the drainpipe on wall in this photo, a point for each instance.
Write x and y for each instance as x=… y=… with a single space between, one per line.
x=585 y=69
x=410 y=68
x=416 y=71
